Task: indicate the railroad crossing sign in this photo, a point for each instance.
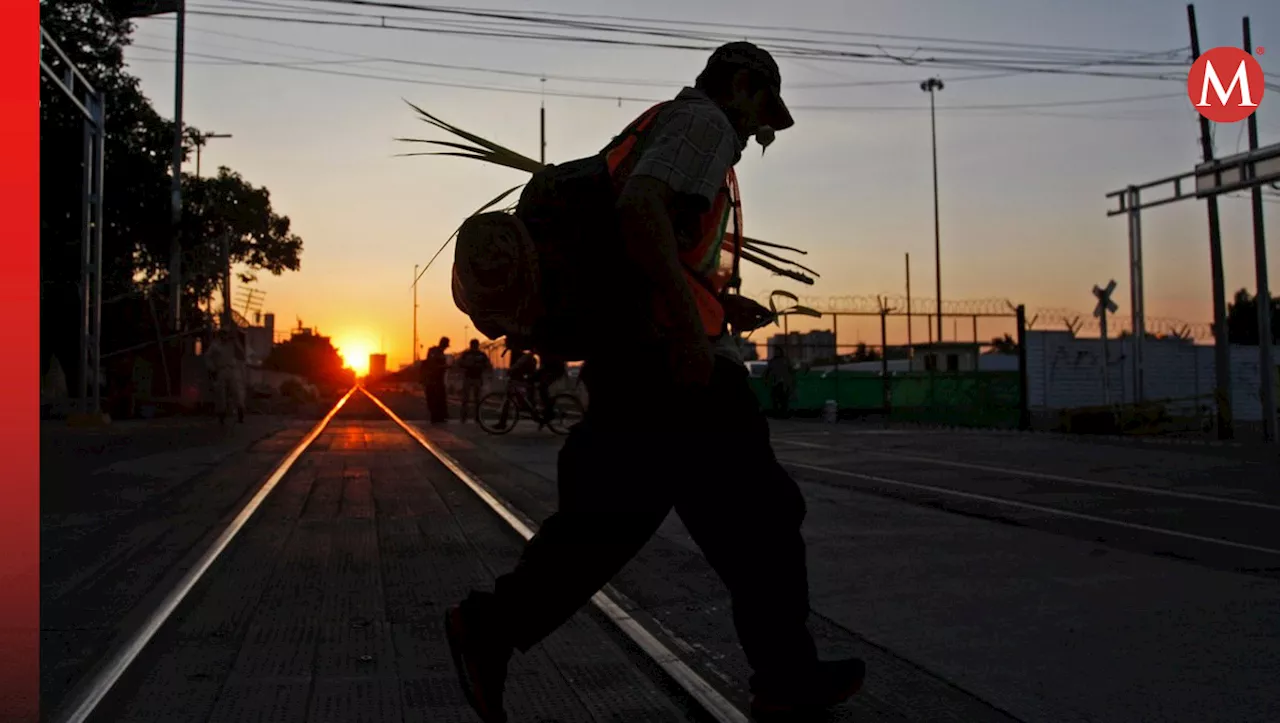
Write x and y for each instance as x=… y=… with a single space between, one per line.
x=1105 y=304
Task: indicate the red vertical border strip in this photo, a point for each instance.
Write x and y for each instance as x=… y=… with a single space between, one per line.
x=20 y=362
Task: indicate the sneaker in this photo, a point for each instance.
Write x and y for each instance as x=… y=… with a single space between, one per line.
x=832 y=683
x=481 y=659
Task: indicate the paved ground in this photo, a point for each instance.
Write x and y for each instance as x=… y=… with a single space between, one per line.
x=1205 y=506
x=969 y=609
x=327 y=607
x=122 y=506
x=982 y=575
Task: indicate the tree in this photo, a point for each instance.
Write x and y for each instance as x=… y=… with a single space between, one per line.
x=862 y=353
x=1242 y=319
x=136 y=159
x=137 y=217
x=260 y=240
x=1003 y=345
x=311 y=356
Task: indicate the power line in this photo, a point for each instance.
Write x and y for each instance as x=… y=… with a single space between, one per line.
x=414 y=81
x=565 y=78
x=815 y=31
x=878 y=59
x=567 y=94
x=591 y=22
x=882 y=58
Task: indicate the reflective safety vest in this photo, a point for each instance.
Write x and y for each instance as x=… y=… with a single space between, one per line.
x=711 y=262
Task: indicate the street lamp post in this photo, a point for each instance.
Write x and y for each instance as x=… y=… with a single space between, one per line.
x=415 y=312
x=128 y=10
x=175 y=246
x=931 y=86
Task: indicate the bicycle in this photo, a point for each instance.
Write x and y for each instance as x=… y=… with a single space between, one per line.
x=498 y=412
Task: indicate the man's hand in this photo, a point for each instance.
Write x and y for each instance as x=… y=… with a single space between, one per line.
x=745 y=314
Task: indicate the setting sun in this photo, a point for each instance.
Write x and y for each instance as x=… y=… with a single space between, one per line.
x=355 y=355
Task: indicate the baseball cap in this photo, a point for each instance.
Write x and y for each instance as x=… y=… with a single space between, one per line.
x=750 y=56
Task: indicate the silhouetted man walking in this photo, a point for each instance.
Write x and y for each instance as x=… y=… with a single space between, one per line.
x=673 y=421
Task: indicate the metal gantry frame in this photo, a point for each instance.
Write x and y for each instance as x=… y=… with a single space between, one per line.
x=55 y=65
x=1242 y=171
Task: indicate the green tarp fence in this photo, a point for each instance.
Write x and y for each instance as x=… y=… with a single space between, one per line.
x=976 y=399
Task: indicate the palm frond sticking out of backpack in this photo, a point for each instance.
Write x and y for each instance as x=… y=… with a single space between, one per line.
x=754 y=250
x=796 y=309
x=481 y=149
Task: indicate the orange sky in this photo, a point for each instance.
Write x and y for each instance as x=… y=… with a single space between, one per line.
x=1022 y=190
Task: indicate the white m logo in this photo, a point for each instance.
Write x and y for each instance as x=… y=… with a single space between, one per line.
x=1241 y=77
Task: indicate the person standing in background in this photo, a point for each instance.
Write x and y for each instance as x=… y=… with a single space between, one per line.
x=224 y=360
x=434 y=368
x=475 y=365
x=781 y=379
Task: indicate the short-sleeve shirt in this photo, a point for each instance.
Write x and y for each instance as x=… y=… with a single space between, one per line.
x=691 y=148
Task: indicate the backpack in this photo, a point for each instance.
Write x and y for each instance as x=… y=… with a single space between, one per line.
x=545 y=276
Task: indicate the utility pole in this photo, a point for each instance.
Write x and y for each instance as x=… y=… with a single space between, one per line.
x=909 y=345
x=1221 y=350
x=1267 y=364
x=931 y=86
x=225 y=268
x=415 y=313
x=175 y=245
x=542 y=125
x=1137 y=296
x=198 y=139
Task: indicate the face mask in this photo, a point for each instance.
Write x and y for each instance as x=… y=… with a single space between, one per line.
x=765 y=137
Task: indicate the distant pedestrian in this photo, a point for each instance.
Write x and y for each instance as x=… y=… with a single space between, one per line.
x=224 y=360
x=475 y=365
x=673 y=421
x=781 y=379
x=434 y=368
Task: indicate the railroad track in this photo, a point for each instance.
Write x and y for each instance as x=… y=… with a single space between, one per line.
x=132 y=674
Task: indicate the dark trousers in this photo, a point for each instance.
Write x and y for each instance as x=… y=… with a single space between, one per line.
x=437 y=402
x=780 y=395
x=471 y=395
x=642 y=450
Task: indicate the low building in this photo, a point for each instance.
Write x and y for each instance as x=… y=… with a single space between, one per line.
x=377 y=366
x=805 y=347
x=946 y=357
x=259 y=339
